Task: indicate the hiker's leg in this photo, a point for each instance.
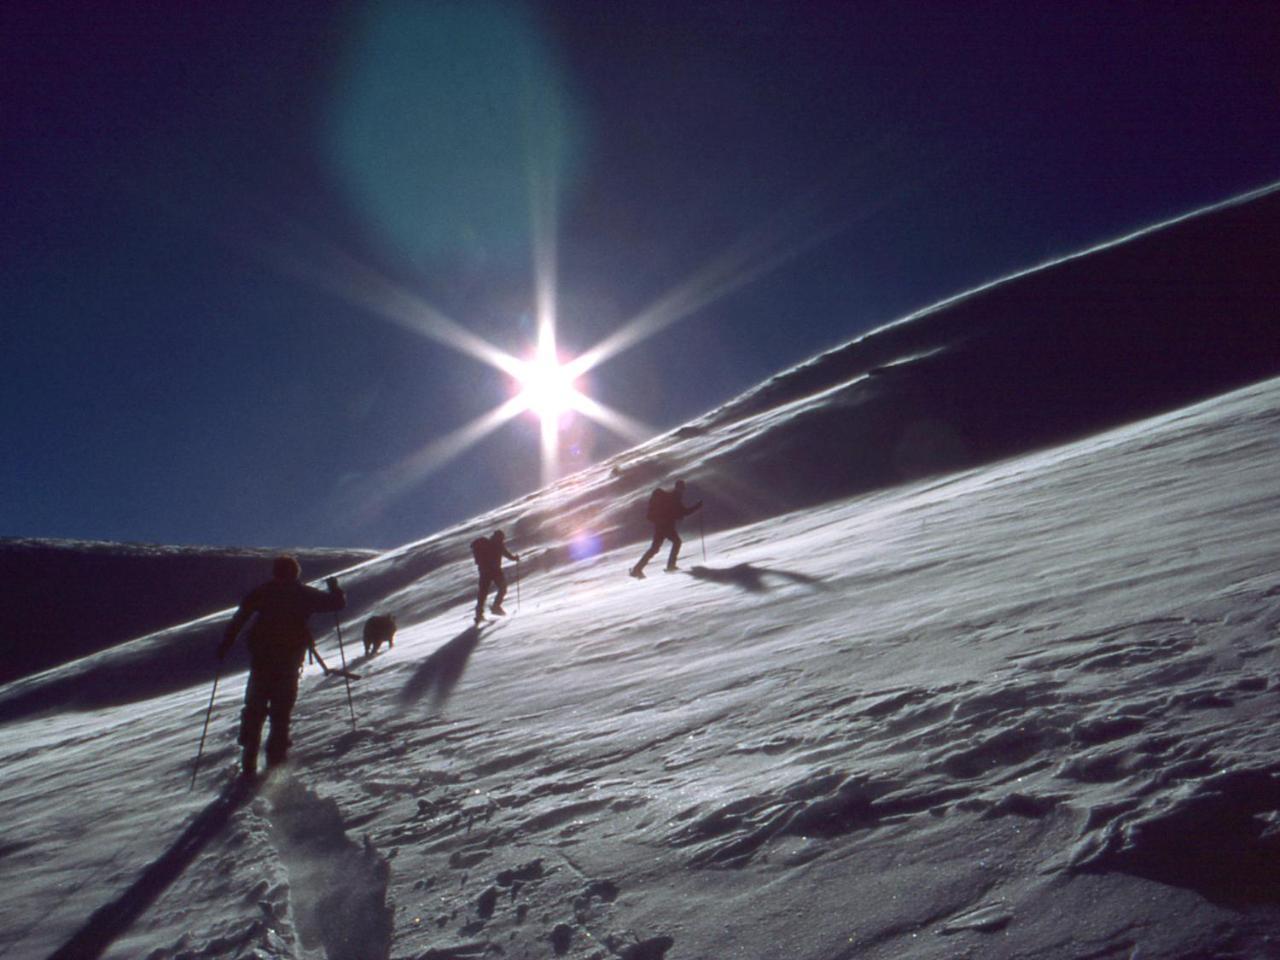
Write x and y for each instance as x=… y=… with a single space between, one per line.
x=653 y=548
x=675 y=548
x=252 y=717
x=284 y=695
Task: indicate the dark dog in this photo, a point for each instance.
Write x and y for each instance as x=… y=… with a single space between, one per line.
x=376 y=630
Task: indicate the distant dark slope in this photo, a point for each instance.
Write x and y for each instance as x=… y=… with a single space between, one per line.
x=1149 y=323
x=63 y=599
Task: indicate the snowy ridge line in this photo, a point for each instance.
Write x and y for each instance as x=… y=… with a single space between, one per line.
x=1243 y=198
x=1155 y=297
x=881 y=333
x=131 y=548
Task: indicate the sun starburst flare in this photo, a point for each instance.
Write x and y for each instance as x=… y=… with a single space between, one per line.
x=547 y=388
x=546 y=384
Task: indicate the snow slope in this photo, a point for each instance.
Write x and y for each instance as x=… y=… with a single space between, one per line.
x=1021 y=709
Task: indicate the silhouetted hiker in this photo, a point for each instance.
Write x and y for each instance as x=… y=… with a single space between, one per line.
x=666 y=509
x=278 y=641
x=488 y=553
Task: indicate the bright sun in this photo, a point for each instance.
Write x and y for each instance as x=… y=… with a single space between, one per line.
x=546 y=388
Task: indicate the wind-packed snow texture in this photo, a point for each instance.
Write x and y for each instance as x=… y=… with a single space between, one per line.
x=1022 y=708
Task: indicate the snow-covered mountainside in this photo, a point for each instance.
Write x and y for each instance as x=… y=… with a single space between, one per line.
x=1170 y=315
x=1018 y=709
x=64 y=599
x=1025 y=711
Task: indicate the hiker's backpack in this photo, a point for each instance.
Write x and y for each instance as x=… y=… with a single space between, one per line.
x=480 y=550
x=657 y=506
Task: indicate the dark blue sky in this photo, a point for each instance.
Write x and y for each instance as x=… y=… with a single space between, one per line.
x=186 y=185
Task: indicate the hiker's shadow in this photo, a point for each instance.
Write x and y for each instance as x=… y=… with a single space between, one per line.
x=753 y=579
x=111 y=921
x=439 y=673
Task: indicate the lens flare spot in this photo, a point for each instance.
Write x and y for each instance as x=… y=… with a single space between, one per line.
x=584 y=545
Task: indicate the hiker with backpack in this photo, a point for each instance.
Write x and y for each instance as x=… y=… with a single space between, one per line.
x=278 y=641
x=488 y=553
x=666 y=509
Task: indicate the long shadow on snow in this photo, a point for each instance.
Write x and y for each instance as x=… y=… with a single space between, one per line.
x=752 y=579
x=110 y=921
x=440 y=672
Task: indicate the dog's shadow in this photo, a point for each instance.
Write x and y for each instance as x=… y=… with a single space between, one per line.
x=437 y=676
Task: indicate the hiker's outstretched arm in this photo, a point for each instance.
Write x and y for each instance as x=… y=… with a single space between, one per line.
x=327 y=601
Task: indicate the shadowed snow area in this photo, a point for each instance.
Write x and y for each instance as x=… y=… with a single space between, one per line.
x=1021 y=707
x=65 y=599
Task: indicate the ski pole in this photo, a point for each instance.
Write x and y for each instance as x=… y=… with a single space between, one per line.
x=205 y=731
x=329 y=671
x=346 y=677
x=517 y=583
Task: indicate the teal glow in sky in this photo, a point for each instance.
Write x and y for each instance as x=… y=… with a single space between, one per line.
x=447 y=123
